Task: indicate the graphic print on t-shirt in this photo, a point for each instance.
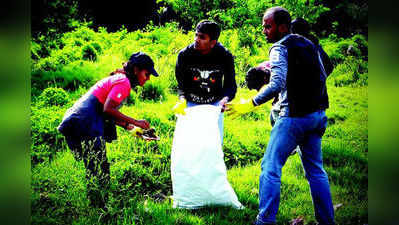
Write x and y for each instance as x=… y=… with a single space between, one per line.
x=206 y=83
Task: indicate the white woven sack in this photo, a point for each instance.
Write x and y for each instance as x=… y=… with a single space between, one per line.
x=199 y=176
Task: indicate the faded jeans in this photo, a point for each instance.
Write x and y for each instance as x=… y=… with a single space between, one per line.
x=286 y=134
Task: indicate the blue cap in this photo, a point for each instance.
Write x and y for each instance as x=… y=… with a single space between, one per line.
x=143 y=60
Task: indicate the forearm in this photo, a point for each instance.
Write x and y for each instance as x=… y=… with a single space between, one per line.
x=120 y=118
x=180 y=77
x=279 y=69
x=230 y=85
x=121 y=123
x=230 y=89
x=265 y=94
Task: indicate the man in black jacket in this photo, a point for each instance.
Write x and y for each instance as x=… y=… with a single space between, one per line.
x=205 y=71
x=299 y=77
x=302 y=27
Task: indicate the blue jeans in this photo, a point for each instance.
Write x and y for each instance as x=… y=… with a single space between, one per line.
x=220 y=121
x=286 y=134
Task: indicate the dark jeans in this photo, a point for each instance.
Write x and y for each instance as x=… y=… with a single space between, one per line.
x=93 y=153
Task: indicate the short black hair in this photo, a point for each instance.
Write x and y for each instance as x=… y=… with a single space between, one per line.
x=257 y=77
x=300 y=26
x=280 y=15
x=210 y=28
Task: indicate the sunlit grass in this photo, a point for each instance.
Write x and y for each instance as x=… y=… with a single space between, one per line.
x=140 y=170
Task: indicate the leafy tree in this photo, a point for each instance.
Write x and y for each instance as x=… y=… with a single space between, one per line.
x=54 y=16
x=192 y=11
x=240 y=13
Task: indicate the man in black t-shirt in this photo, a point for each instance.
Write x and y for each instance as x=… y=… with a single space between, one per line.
x=205 y=70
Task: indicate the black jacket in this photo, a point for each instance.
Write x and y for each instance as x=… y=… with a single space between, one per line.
x=306 y=77
x=206 y=79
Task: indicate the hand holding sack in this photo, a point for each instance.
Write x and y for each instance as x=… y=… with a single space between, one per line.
x=239 y=108
x=180 y=106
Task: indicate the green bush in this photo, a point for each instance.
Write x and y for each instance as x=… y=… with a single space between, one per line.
x=54 y=97
x=46 y=140
x=352 y=71
x=340 y=49
x=352 y=79
x=362 y=44
x=239 y=13
x=89 y=52
x=153 y=91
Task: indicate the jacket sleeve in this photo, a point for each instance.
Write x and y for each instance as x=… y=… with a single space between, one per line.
x=279 y=67
x=229 y=84
x=328 y=66
x=180 y=75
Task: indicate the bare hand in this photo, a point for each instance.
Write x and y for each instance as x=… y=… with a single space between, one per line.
x=143 y=124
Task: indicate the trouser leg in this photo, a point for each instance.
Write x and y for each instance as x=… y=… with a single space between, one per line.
x=281 y=143
x=75 y=146
x=318 y=180
x=97 y=171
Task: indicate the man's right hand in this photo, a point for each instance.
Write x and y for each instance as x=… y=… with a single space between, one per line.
x=143 y=124
x=180 y=106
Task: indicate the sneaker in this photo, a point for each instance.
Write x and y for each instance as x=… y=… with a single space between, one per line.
x=295 y=150
x=258 y=222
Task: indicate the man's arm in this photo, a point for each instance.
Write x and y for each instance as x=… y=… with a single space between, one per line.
x=328 y=66
x=279 y=66
x=230 y=85
x=180 y=76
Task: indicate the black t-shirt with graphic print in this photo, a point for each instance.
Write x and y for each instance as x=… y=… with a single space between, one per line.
x=206 y=79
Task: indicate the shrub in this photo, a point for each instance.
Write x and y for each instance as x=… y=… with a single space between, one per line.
x=54 y=97
x=362 y=44
x=351 y=78
x=46 y=140
x=352 y=71
x=89 y=52
x=152 y=91
x=77 y=74
x=238 y=13
x=97 y=47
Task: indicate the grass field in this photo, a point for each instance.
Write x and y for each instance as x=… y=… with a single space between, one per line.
x=140 y=171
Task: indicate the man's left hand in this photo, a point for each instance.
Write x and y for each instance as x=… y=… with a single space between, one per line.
x=223 y=102
x=239 y=108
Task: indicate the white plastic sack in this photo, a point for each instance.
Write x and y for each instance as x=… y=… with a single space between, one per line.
x=199 y=176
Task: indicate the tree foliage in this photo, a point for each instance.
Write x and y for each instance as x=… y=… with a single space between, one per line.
x=52 y=17
x=239 y=13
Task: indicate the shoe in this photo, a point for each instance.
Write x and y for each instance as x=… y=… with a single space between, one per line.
x=258 y=222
